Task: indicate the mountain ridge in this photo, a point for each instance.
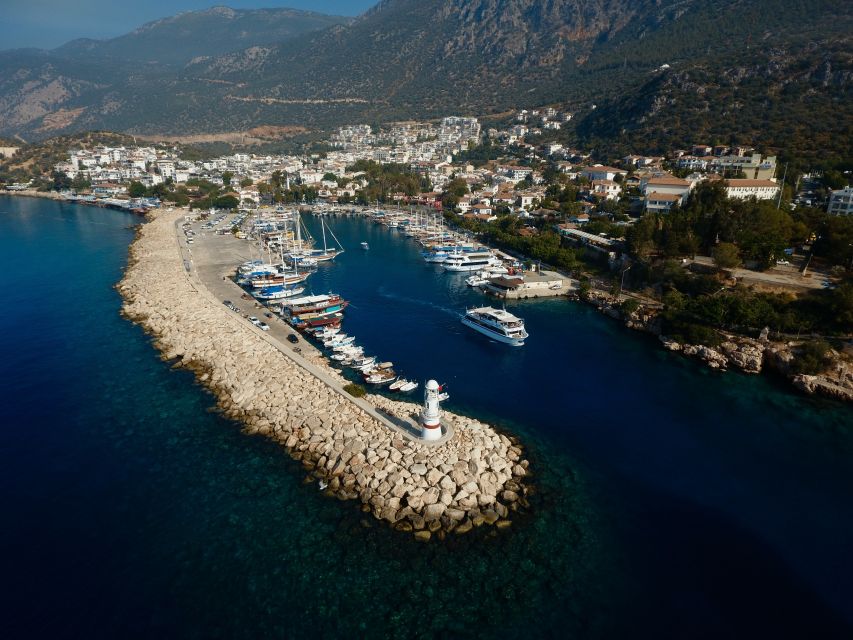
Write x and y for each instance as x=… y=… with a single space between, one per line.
x=427 y=58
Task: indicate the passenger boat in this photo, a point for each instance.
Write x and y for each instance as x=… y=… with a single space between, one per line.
x=472 y=261
x=364 y=245
x=409 y=386
x=309 y=304
x=340 y=340
x=278 y=293
x=362 y=364
x=497 y=324
x=318 y=312
x=380 y=377
x=438 y=256
x=334 y=320
x=476 y=280
x=277 y=279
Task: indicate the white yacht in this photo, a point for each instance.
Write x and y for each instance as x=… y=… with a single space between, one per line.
x=471 y=261
x=497 y=324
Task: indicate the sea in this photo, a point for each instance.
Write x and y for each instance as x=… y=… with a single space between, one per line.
x=670 y=500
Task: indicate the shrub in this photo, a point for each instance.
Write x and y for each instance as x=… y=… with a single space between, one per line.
x=630 y=306
x=811 y=357
x=355 y=390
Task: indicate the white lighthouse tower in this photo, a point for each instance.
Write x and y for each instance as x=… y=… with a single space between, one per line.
x=431 y=414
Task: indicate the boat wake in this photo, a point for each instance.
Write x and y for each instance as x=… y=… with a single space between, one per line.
x=423 y=303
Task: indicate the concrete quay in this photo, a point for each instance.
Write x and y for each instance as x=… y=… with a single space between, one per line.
x=362 y=449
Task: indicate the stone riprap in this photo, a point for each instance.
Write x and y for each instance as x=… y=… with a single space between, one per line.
x=474 y=478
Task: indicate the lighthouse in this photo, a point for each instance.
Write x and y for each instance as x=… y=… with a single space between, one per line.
x=431 y=414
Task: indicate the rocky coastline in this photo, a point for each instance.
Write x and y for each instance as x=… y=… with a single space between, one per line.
x=738 y=352
x=477 y=477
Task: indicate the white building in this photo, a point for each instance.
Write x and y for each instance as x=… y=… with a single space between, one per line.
x=607 y=189
x=759 y=189
x=661 y=202
x=665 y=184
x=841 y=202
x=600 y=172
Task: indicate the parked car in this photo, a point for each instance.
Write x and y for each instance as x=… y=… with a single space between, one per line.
x=292 y=338
x=254 y=321
x=264 y=326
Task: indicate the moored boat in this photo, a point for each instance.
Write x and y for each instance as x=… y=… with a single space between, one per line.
x=472 y=261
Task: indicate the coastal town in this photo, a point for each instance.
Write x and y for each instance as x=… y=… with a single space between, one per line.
x=514 y=192
x=427 y=319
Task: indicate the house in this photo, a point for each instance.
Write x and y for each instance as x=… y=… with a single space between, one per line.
x=607 y=189
x=841 y=202
x=661 y=202
x=480 y=212
x=759 y=189
x=601 y=172
x=481 y=209
x=516 y=174
x=665 y=184
x=526 y=199
x=504 y=196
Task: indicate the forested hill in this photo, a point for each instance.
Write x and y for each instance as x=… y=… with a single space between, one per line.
x=768 y=59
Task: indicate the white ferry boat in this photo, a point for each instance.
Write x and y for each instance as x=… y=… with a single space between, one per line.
x=473 y=261
x=497 y=324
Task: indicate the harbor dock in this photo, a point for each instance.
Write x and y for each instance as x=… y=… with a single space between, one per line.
x=529 y=284
x=359 y=449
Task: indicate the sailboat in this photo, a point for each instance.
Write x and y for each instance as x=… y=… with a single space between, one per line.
x=327 y=253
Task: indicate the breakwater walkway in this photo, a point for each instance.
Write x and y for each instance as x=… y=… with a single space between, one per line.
x=475 y=476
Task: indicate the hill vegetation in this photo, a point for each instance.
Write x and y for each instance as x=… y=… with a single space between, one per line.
x=662 y=73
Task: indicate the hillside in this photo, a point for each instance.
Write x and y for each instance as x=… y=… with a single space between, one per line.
x=179 y=39
x=796 y=101
x=425 y=58
x=80 y=85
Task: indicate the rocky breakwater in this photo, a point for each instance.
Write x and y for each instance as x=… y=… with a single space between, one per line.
x=474 y=478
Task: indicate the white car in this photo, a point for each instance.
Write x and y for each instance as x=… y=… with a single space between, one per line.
x=255 y=321
x=264 y=326
x=782 y=262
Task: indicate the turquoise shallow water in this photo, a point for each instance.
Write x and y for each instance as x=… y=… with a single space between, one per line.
x=672 y=502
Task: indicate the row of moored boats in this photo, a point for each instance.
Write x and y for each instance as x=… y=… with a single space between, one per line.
x=281 y=285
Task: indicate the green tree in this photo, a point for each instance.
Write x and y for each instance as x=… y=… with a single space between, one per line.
x=226 y=202
x=80 y=182
x=136 y=190
x=246 y=182
x=226 y=178
x=726 y=255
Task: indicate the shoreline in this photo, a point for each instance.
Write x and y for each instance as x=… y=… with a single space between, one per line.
x=735 y=351
x=58 y=197
x=476 y=477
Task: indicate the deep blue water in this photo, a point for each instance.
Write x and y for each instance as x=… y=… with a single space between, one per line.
x=672 y=501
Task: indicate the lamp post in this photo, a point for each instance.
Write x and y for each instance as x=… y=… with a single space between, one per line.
x=622 y=280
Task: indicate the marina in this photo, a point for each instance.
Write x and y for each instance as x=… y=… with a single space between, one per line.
x=628 y=486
